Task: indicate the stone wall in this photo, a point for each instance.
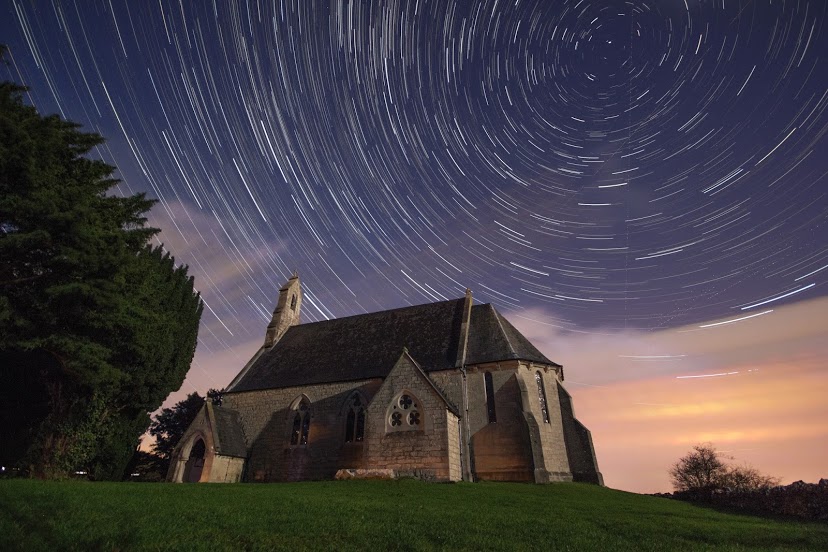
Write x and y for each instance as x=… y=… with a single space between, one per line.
x=578 y=443
x=267 y=418
x=518 y=446
x=226 y=469
x=502 y=451
x=428 y=451
x=551 y=460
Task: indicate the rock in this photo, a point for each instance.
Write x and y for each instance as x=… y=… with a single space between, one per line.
x=366 y=474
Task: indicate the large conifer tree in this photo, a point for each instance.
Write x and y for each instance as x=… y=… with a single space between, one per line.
x=96 y=326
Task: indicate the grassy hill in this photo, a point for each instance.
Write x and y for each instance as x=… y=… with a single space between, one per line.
x=374 y=515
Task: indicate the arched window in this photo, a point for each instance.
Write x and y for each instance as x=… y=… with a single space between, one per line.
x=355 y=420
x=542 y=397
x=403 y=413
x=293 y=302
x=301 y=423
x=490 y=398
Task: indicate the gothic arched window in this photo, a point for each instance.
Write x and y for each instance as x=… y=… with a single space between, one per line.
x=542 y=397
x=490 y=398
x=301 y=423
x=403 y=413
x=355 y=420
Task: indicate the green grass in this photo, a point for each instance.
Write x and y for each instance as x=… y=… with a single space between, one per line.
x=374 y=516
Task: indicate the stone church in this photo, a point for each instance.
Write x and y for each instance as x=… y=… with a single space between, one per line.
x=445 y=391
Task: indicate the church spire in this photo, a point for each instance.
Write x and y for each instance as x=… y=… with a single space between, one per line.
x=288 y=310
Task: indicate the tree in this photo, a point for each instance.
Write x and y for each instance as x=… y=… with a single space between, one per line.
x=96 y=326
x=747 y=478
x=169 y=426
x=698 y=470
x=705 y=471
x=216 y=396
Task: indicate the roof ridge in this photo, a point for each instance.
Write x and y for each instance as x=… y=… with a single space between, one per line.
x=503 y=331
x=306 y=324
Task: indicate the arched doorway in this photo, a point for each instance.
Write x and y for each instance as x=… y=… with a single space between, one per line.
x=195 y=463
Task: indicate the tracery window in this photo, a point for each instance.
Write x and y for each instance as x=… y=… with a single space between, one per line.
x=404 y=413
x=490 y=398
x=301 y=423
x=355 y=421
x=542 y=397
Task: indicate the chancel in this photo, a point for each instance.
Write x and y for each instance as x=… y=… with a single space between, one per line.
x=444 y=391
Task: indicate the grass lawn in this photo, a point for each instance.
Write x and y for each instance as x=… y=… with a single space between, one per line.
x=374 y=515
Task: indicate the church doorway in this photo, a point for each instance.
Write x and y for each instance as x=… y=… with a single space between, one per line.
x=195 y=463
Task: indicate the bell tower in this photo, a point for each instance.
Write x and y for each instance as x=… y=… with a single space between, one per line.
x=287 y=313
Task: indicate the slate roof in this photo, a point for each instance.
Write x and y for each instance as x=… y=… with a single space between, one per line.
x=493 y=338
x=228 y=433
x=367 y=346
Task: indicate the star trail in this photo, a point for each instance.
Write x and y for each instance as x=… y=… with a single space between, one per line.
x=637 y=165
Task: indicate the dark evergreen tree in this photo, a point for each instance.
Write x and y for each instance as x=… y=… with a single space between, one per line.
x=170 y=424
x=95 y=326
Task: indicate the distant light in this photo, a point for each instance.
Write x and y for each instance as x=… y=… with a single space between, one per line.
x=80 y=473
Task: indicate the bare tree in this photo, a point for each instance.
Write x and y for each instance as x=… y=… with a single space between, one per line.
x=747 y=478
x=701 y=469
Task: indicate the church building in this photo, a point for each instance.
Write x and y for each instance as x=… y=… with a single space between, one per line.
x=445 y=391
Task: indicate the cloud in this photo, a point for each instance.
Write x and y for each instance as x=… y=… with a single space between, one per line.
x=216 y=250
x=600 y=358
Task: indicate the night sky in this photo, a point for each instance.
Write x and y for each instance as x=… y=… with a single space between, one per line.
x=594 y=168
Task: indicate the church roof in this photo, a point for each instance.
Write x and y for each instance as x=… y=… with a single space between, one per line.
x=367 y=346
x=228 y=432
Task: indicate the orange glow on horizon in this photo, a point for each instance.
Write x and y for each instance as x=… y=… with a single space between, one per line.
x=773 y=419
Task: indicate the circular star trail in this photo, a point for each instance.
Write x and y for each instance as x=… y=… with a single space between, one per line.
x=605 y=165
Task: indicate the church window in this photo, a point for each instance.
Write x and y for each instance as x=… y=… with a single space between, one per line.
x=490 y=398
x=350 y=422
x=542 y=397
x=301 y=424
x=355 y=421
x=404 y=413
x=293 y=302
